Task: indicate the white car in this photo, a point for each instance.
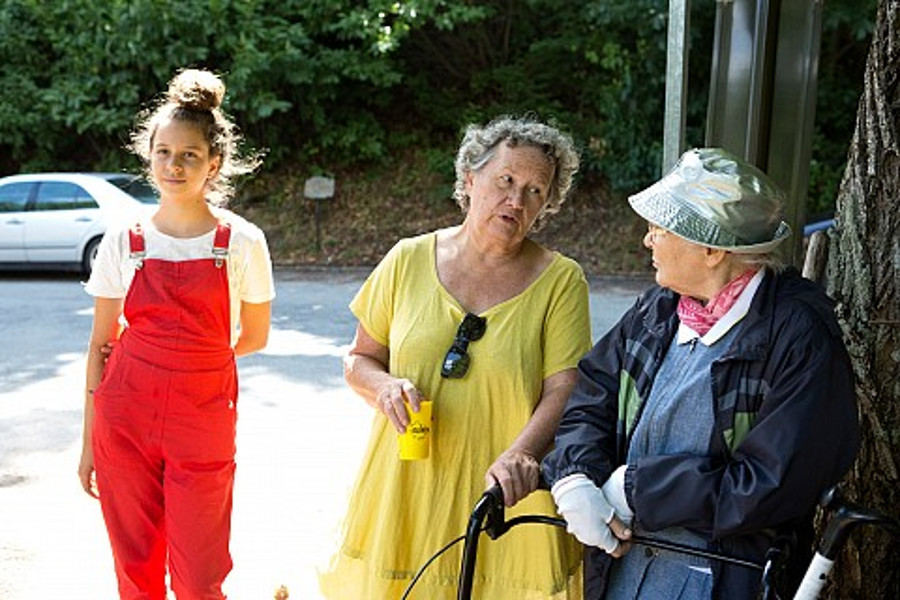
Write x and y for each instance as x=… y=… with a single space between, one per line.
x=58 y=219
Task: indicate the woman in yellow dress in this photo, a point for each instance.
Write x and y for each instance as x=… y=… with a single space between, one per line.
x=514 y=316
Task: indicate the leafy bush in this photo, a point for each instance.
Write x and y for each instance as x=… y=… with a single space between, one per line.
x=331 y=83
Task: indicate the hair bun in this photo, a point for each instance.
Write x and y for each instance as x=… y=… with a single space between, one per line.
x=196 y=90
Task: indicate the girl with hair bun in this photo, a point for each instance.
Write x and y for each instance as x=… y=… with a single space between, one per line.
x=180 y=294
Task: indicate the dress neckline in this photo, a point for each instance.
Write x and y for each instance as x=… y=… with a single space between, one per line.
x=556 y=257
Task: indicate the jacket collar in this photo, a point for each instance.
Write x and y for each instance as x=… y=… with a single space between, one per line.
x=661 y=320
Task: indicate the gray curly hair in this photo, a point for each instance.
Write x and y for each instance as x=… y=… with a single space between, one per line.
x=479 y=145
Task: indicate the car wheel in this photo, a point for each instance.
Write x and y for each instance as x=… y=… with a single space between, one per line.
x=90 y=255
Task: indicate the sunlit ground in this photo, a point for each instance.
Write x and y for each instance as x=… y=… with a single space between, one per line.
x=301 y=433
x=298 y=449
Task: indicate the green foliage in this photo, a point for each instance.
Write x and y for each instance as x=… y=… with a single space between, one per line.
x=846 y=29
x=597 y=68
x=301 y=75
x=337 y=82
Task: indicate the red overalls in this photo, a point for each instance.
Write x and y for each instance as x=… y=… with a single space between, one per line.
x=164 y=428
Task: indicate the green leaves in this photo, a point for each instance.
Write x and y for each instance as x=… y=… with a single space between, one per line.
x=330 y=82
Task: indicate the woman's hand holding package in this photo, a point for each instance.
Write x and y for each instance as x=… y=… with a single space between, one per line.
x=590 y=517
x=390 y=400
x=517 y=472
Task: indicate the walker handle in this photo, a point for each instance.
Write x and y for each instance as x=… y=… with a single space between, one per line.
x=845 y=517
x=489 y=507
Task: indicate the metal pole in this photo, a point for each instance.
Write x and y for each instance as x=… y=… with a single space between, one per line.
x=676 y=82
x=793 y=113
x=318 y=189
x=318 y=226
x=763 y=93
x=759 y=93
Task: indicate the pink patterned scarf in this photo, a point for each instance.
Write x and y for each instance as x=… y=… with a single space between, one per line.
x=701 y=318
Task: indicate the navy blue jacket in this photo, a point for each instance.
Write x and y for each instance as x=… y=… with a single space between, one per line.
x=786 y=426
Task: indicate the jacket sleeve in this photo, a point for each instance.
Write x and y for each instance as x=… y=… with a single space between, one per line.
x=805 y=439
x=586 y=439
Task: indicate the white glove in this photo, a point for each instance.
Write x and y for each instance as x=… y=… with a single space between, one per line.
x=614 y=492
x=586 y=511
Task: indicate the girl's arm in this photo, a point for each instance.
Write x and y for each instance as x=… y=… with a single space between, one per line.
x=105 y=329
x=255 y=321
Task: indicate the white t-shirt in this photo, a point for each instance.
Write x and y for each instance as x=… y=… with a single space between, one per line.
x=249 y=265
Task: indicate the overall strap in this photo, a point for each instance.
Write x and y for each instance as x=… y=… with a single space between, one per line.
x=136 y=245
x=221 y=241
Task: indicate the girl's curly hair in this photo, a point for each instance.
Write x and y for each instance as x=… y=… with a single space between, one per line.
x=195 y=96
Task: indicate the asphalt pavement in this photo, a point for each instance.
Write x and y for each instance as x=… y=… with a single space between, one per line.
x=301 y=433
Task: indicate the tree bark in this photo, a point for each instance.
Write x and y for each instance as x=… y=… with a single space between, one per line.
x=864 y=279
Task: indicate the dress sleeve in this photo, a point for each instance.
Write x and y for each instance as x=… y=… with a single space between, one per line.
x=373 y=304
x=567 y=328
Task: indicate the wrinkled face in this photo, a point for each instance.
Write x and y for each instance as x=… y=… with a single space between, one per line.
x=680 y=265
x=180 y=160
x=508 y=193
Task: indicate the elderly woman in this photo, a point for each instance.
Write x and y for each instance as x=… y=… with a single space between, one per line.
x=717 y=410
x=514 y=316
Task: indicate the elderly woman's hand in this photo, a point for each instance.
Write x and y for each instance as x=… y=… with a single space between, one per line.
x=589 y=516
x=517 y=473
x=390 y=400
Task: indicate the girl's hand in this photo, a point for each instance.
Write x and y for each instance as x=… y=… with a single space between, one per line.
x=107 y=349
x=87 y=474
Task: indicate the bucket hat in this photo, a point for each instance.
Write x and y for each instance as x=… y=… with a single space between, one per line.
x=713 y=198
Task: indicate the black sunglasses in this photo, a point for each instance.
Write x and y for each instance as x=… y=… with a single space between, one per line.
x=456 y=363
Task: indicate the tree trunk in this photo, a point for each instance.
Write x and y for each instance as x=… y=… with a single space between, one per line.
x=864 y=279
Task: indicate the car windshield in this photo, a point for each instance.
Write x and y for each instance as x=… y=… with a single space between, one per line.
x=136 y=186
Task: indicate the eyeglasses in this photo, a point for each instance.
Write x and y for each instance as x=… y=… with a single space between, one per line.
x=456 y=363
x=655 y=232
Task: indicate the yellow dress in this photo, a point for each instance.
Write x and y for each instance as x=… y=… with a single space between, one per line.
x=402 y=512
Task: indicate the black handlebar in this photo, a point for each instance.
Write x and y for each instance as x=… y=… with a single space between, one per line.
x=845 y=516
x=488 y=507
x=489 y=510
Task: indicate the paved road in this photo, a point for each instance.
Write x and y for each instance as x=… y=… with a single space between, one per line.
x=300 y=436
